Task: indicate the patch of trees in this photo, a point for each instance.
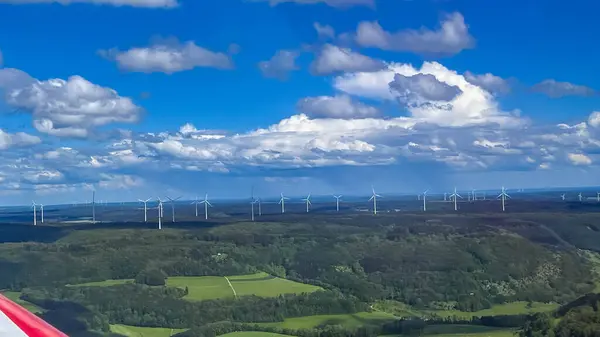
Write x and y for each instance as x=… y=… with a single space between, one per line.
x=580 y=318
x=140 y=305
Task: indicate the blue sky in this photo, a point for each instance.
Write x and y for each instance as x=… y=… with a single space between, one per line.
x=149 y=97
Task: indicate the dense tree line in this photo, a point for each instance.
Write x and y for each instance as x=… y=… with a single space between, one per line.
x=416 y=263
x=458 y=262
x=580 y=318
x=140 y=305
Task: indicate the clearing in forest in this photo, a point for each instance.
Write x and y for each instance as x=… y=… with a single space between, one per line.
x=202 y=287
x=512 y=308
x=265 y=285
x=252 y=334
x=106 y=283
x=375 y=318
x=136 y=331
x=460 y=330
x=215 y=287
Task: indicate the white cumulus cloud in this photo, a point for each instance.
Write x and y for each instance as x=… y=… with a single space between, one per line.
x=168 y=58
x=333 y=59
x=69 y=107
x=451 y=38
x=340 y=106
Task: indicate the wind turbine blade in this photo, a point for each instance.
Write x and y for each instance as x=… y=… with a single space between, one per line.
x=373 y=196
x=209 y=204
x=280 y=200
x=377 y=195
x=499 y=195
x=458 y=195
x=508 y=196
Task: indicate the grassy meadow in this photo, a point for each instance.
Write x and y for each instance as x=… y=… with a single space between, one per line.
x=15 y=297
x=135 y=331
x=265 y=285
x=347 y=320
x=213 y=287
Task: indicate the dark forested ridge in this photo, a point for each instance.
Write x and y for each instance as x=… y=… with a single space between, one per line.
x=453 y=262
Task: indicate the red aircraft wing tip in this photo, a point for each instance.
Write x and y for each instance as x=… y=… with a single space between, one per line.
x=19 y=322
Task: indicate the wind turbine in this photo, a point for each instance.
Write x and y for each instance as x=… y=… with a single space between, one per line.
x=503 y=195
x=454 y=196
x=598 y=196
x=206 y=204
x=473 y=195
x=282 y=202
x=145 y=202
x=42 y=211
x=160 y=213
x=173 y=206
x=93 y=207
x=259 y=207
x=33 y=205
x=374 y=198
x=580 y=196
x=337 y=202
x=445 y=196
x=425 y=200
x=196 y=202
x=307 y=201
x=252 y=205
x=562 y=196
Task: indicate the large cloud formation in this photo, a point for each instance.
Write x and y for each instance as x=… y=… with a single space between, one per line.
x=449 y=121
x=69 y=108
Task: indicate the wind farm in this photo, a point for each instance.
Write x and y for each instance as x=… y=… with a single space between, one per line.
x=261 y=208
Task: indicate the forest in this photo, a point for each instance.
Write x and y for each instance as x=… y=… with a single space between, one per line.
x=442 y=263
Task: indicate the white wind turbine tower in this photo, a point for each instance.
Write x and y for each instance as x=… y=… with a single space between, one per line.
x=282 y=203
x=33 y=205
x=337 y=202
x=598 y=196
x=173 y=206
x=252 y=205
x=454 y=197
x=503 y=195
x=374 y=198
x=206 y=204
x=145 y=202
x=473 y=195
x=307 y=201
x=42 y=211
x=93 y=206
x=425 y=200
x=259 y=207
x=580 y=196
x=445 y=196
x=160 y=213
x=562 y=196
x=196 y=202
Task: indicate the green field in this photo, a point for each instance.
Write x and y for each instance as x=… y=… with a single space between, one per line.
x=135 y=331
x=265 y=285
x=213 y=287
x=202 y=288
x=403 y=310
x=347 y=320
x=466 y=330
x=253 y=334
x=15 y=297
x=512 y=308
x=106 y=283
